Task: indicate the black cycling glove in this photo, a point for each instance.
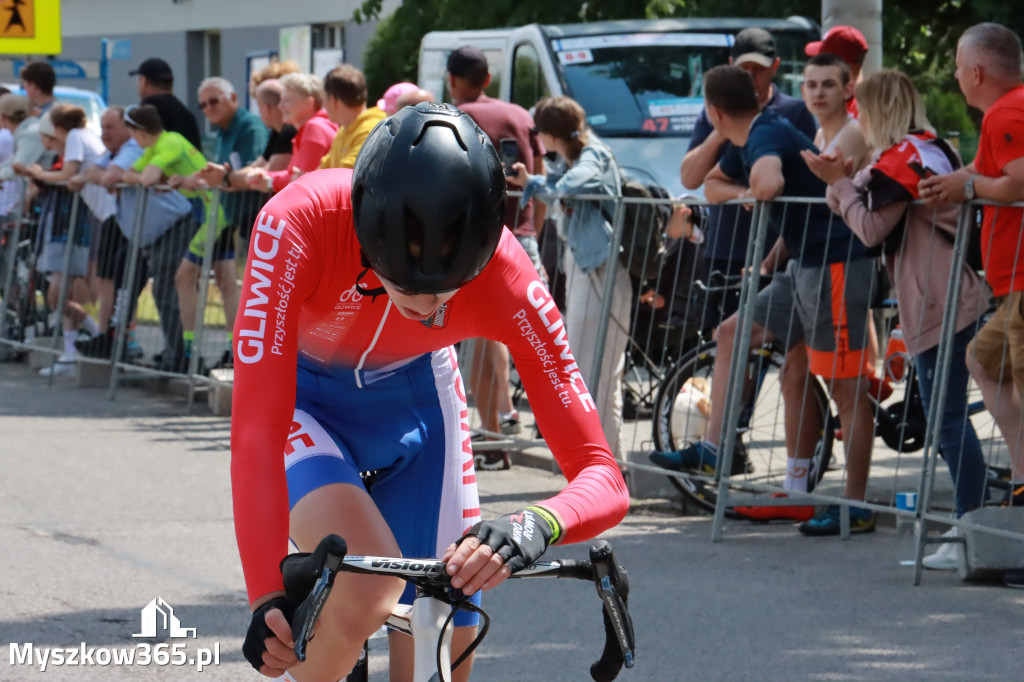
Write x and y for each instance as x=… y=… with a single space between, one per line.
x=520 y=538
x=255 y=639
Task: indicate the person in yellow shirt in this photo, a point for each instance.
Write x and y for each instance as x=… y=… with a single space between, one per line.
x=345 y=87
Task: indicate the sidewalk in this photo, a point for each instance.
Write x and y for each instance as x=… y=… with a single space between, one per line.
x=105 y=506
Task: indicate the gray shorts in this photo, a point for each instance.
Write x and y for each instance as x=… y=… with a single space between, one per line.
x=52 y=259
x=827 y=307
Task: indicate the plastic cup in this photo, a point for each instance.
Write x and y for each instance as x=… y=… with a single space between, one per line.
x=906 y=501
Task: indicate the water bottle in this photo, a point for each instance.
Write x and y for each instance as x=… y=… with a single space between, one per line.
x=896 y=356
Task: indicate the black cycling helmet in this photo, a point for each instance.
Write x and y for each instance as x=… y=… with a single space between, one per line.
x=428 y=196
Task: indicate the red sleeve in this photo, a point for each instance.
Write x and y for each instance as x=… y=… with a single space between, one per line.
x=285 y=263
x=1002 y=140
x=311 y=144
x=527 y=321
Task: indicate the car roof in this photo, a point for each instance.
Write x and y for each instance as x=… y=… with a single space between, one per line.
x=66 y=93
x=667 y=25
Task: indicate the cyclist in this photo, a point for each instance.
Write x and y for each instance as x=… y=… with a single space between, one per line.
x=358 y=284
x=817 y=306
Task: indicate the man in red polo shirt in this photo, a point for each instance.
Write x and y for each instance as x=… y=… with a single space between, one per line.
x=988 y=68
x=848 y=44
x=510 y=129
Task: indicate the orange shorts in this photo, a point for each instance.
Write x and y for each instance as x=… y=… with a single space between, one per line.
x=828 y=308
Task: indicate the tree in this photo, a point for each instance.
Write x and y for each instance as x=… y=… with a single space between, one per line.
x=919 y=37
x=392 y=53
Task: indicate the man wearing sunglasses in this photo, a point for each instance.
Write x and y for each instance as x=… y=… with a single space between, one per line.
x=241 y=137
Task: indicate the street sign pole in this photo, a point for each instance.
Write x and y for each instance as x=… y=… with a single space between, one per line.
x=104 y=71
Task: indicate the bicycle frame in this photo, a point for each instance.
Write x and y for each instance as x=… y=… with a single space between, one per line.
x=311 y=577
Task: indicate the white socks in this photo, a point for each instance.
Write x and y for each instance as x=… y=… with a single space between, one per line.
x=796 y=474
x=69 y=343
x=90 y=325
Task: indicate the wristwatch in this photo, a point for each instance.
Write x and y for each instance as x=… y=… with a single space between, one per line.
x=226 y=181
x=969 y=188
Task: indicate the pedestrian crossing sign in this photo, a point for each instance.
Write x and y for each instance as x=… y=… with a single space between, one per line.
x=30 y=27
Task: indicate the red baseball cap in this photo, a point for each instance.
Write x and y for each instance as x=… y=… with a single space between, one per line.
x=845 y=42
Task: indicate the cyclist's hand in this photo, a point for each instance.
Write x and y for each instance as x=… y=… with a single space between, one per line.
x=491 y=551
x=268 y=644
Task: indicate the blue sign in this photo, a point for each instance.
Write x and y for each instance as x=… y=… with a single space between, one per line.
x=62 y=67
x=119 y=49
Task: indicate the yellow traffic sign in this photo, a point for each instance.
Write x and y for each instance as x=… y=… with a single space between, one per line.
x=30 y=27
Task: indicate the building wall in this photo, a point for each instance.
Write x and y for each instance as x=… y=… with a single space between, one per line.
x=174 y=30
x=95 y=17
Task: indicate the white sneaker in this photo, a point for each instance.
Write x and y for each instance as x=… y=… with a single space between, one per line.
x=947 y=556
x=64 y=366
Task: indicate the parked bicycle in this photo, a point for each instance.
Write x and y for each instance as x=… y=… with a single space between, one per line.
x=309 y=578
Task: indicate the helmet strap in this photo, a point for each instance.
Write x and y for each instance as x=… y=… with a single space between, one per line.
x=363 y=290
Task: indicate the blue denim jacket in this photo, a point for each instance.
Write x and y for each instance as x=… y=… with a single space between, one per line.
x=586 y=230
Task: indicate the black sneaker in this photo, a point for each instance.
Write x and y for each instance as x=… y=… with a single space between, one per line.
x=174 y=365
x=510 y=425
x=96 y=347
x=492 y=460
x=227 y=361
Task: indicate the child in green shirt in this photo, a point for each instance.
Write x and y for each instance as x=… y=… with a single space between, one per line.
x=169 y=158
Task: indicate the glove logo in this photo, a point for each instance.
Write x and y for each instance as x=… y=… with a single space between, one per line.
x=522 y=526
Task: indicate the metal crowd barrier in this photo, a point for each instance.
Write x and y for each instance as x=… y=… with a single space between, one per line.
x=143 y=311
x=752 y=450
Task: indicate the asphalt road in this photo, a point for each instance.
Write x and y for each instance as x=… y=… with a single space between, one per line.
x=105 y=506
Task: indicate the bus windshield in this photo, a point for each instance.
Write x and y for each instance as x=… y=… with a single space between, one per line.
x=649 y=84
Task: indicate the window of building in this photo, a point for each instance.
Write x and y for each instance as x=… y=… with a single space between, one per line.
x=328 y=36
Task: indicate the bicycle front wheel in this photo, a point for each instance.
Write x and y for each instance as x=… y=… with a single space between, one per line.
x=681 y=414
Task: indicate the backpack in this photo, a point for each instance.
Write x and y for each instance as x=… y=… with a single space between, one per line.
x=973 y=257
x=642 y=249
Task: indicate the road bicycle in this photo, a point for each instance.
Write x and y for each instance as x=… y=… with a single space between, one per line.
x=310 y=578
x=683 y=401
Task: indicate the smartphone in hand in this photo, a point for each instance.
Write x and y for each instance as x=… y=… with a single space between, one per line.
x=508 y=152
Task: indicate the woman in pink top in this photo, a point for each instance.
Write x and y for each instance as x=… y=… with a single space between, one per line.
x=302 y=106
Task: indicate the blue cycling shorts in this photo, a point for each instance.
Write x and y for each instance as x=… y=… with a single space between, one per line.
x=411 y=425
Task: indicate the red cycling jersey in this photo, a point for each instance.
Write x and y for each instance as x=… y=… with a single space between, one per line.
x=299 y=296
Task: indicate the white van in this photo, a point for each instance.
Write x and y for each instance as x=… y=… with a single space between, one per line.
x=639 y=81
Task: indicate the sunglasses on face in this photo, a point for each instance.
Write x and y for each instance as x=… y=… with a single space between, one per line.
x=212 y=102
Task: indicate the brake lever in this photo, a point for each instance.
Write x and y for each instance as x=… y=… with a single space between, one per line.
x=612 y=583
x=322 y=567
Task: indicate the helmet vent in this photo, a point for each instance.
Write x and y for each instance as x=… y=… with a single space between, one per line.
x=447 y=125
